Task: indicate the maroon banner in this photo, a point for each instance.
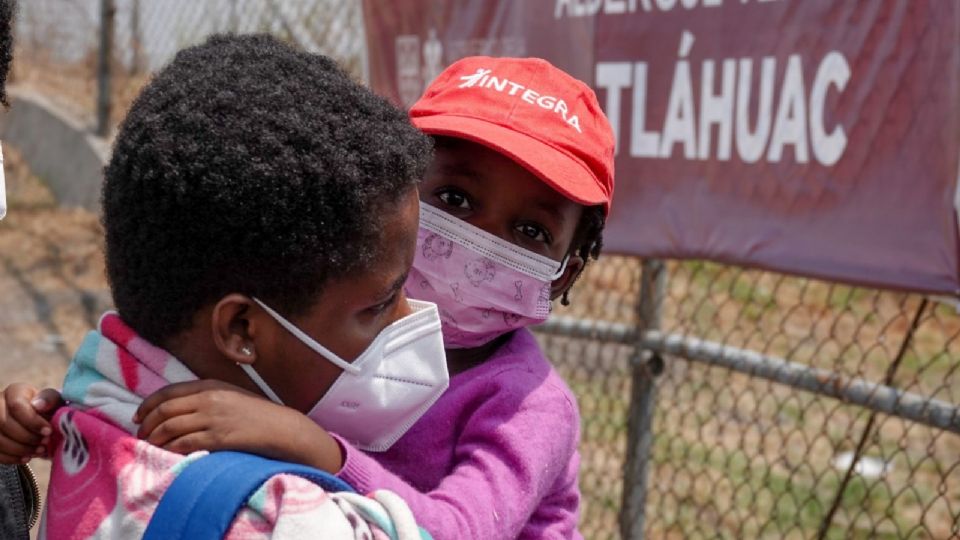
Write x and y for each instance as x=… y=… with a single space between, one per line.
x=815 y=137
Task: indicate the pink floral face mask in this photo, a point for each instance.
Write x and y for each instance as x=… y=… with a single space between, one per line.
x=483 y=286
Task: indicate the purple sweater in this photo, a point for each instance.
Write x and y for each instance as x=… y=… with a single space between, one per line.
x=495 y=457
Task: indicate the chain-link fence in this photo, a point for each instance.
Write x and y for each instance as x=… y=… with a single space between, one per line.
x=732 y=403
x=716 y=401
x=93 y=56
x=818 y=411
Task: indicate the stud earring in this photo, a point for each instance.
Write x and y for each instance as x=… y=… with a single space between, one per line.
x=246 y=351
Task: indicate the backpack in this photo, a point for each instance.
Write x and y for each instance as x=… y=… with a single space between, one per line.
x=204 y=498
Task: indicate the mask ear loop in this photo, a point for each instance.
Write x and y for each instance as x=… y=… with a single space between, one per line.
x=309 y=341
x=563 y=268
x=258 y=380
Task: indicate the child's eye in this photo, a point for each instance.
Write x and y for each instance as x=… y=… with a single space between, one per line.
x=455 y=199
x=534 y=232
x=383 y=306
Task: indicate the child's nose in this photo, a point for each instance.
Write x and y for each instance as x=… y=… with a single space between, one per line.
x=491 y=223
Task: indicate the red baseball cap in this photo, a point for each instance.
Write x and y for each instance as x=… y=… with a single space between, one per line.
x=525 y=108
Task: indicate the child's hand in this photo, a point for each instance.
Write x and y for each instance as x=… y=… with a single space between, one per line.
x=24 y=430
x=214 y=415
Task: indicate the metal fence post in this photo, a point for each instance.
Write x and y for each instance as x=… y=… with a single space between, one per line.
x=136 y=40
x=646 y=366
x=107 y=12
x=233 y=24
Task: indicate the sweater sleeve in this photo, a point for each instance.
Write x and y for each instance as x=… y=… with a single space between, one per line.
x=514 y=447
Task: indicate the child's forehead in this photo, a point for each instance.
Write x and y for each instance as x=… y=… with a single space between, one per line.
x=478 y=162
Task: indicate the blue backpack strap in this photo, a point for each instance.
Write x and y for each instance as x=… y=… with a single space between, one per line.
x=206 y=496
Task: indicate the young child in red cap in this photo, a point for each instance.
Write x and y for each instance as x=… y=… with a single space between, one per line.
x=512 y=209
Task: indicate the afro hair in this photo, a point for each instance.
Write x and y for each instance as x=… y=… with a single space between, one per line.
x=248 y=166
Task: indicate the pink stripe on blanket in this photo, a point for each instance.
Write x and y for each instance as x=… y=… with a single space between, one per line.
x=128 y=368
x=151 y=362
x=113 y=327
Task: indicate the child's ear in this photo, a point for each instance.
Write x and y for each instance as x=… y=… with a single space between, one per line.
x=234 y=330
x=565 y=281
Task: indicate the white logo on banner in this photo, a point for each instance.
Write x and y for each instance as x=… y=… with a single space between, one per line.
x=413 y=75
x=409 y=82
x=432 y=58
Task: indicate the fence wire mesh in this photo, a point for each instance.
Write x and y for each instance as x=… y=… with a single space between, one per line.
x=58 y=41
x=599 y=373
x=734 y=453
x=738 y=455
